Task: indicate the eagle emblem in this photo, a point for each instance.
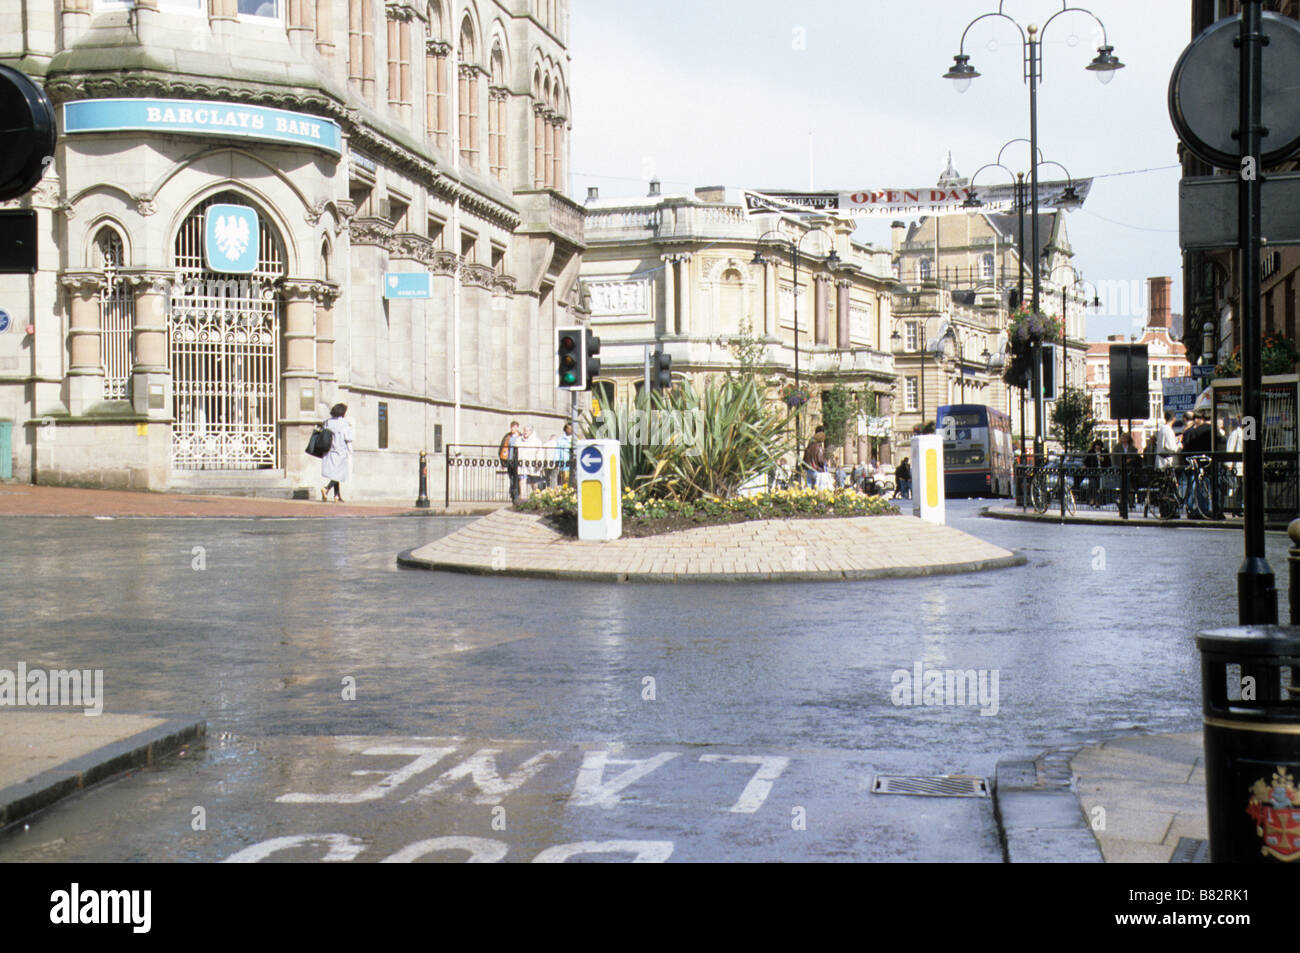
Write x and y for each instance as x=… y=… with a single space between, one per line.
x=232 y=234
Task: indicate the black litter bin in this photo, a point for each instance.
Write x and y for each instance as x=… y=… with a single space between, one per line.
x=1250 y=683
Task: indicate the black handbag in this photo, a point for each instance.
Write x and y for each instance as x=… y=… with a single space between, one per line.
x=322 y=439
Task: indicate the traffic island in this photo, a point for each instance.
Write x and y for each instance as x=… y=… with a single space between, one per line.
x=510 y=543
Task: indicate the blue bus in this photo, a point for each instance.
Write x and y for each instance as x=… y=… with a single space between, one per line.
x=977 y=453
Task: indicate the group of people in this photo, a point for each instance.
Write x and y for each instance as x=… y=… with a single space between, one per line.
x=545 y=464
x=869 y=479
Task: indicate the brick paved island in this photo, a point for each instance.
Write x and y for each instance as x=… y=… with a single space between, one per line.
x=810 y=550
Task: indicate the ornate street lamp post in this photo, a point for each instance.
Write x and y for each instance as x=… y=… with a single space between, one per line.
x=795 y=249
x=1104 y=65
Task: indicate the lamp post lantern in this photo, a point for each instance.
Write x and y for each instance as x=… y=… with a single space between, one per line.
x=962 y=72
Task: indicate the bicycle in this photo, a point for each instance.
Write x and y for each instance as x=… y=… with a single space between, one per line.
x=1162 y=496
x=1200 y=501
x=1043 y=496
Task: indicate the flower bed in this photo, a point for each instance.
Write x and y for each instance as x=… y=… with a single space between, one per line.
x=646 y=516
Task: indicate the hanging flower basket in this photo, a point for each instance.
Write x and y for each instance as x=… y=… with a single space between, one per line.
x=794 y=397
x=1028 y=328
x=1278 y=355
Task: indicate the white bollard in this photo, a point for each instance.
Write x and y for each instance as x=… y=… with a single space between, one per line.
x=927 y=479
x=600 y=492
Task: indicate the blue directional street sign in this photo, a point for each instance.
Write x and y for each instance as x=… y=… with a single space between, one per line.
x=408 y=284
x=231 y=240
x=1203 y=371
x=591 y=461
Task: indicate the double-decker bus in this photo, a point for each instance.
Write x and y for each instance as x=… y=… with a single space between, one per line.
x=977 y=451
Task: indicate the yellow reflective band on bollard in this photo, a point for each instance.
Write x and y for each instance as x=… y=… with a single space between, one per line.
x=592 y=501
x=614 y=495
x=931 y=478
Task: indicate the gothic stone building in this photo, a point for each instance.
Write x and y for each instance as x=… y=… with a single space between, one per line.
x=409 y=253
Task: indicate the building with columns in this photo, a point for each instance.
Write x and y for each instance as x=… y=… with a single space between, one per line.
x=963 y=272
x=678 y=272
x=410 y=252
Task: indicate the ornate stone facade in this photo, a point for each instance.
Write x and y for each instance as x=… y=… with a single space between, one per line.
x=225 y=374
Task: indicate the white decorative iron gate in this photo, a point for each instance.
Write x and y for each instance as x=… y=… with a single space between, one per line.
x=225 y=353
x=116 y=316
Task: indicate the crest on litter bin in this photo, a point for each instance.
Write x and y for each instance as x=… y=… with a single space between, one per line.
x=1275 y=809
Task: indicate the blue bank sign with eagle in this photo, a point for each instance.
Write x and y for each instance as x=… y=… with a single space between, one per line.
x=202 y=118
x=230 y=242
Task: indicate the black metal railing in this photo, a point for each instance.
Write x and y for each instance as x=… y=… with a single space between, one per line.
x=477 y=474
x=1200 y=485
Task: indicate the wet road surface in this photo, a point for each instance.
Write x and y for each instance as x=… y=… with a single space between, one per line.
x=305 y=648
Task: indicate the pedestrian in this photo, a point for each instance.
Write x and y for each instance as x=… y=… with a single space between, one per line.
x=1235 y=443
x=814 y=458
x=533 y=456
x=335 y=465
x=1166 y=443
x=509 y=454
x=1197 y=440
x=563 y=453
x=903 y=479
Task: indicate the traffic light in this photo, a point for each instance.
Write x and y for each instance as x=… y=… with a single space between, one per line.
x=27 y=117
x=572 y=363
x=661 y=371
x=1049 y=372
x=590 y=358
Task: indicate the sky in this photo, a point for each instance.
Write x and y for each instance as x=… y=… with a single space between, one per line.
x=849 y=95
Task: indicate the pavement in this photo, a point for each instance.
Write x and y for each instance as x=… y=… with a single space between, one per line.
x=1135 y=799
x=1086 y=516
x=799 y=550
x=47 y=756
x=27 y=500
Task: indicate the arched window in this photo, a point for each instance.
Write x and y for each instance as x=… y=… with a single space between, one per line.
x=924 y=269
x=498 y=153
x=557 y=148
x=116 y=315
x=539 y=132
x=731 y=301
x=361 y=47
x=437 y=86
x=469 y=114
x=988 y=268
x=224 y=334
x=399 y=66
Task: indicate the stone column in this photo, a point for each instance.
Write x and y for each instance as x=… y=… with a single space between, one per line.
x=76 y=17
x=327 y=294
x=298 y=22
x=670 y=293
x=301 y=394
x=324 y=19
x=223 y=16
x=86 y=371
x=843 y=287
x=151 y=378
x=687 y=290
x=821 y=326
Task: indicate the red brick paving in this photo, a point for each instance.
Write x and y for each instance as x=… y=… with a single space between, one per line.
x=23 y=500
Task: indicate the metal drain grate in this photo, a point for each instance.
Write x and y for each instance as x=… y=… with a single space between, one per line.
x=1191 y=851
x=945 y=786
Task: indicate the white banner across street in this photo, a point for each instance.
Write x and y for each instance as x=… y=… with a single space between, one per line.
x=903 y=203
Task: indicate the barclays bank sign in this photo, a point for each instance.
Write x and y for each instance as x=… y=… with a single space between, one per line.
x=202 y=118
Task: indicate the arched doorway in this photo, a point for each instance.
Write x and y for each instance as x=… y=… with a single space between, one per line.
x=224 y=346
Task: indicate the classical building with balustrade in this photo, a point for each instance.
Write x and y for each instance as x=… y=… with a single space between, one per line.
x=405 y=166
x=679 y=273
x=958 y=278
